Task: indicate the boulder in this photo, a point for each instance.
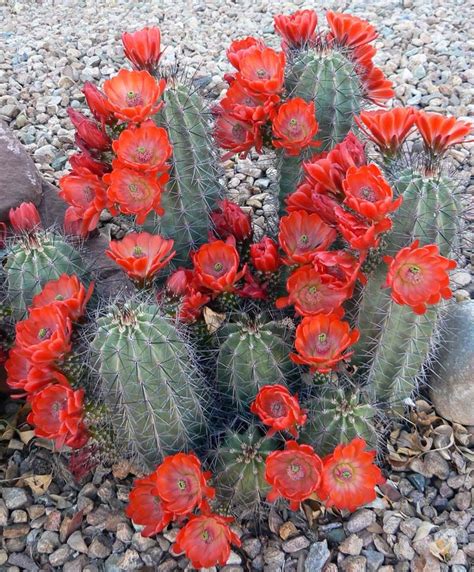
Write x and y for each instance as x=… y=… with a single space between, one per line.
x=19 y=179
x=452 y=382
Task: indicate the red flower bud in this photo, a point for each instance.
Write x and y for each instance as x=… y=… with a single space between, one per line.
x=97 y=103
x=89 y=133
x=264 y=255
x=24 y=218
x=230 y=220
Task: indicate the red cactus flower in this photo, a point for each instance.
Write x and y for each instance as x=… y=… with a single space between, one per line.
x=135 y=193
x=341 y=265
x=217 y=266
x=97 y=103
x=73 y=224
x=293 y=474
x=252 y=288
x=261 y=70
x=239 y=48
x=236 y=135
x=440 y=132
x=145 y=148
x=359 y=234
x=363 y=57
x=264 y=255
x=206 y=539
x=84 y=163
x=192 y=305
x=297 y=29
x=313 y=293
x=278 y=409
x=143 y=48
x=245 y=106
x=302 y=234
x=57 y=412
x=321 y=342
x=141 y=254
x=231 y=220
x=377 y=87
x=145 y=506
x=295 y=126
x=66 y=291
x=179 y=282
x=368 y=193
x=182 y=484
x=349 y=476
x=387 y=129
x=350 y=31
x=45 y=335
x=419 y=276
x=25 y=218
x=87 y=194
x=311 y=198
x=133 y=95
x=89 y=133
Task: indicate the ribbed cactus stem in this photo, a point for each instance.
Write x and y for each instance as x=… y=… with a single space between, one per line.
x=395 y=343
x=150 y=383
x=194 y=186
x=32 y=261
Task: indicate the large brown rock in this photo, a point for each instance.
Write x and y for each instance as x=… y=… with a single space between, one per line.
x=452 y=384
x=19 y=179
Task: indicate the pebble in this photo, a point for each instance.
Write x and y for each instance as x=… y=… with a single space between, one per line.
x=14 y=497
x=77 y=543
x=100 y=547
x=360 y=520
x=60 y=556
x=352 y=545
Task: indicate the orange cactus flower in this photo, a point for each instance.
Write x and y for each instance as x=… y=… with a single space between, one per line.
x=206 y=540
x=145 y=506
x=297 y=29
x=378 y=89
x=179 y=282
x=388 y=129
x=321 y=342
x=143 y=48
x=313 y=293
x=192 y=305
x=440 y=132
x=182 y=484
x=293 y=474
x=45 y=335
x=341 y=265
x=133 y=95
x=217 y=266
x=311 y=198
x=350 y=31
x=87 y=194
x=231 y=220
x=239 y=48
x=66 y=291
x=135 y=193
x=302 y=234
x=84 y=163
x=57 y=412
x=141 y=254
x=97 y=103
x=278 y=409
x=295 y=126
x=248 y=107
x=236 y=135
x=358 y=233
x=24 y=218
x=145 y=148
x=368 y=193
x=264 y=255
x=262 y=70
x=349 y=476
x=419 y=276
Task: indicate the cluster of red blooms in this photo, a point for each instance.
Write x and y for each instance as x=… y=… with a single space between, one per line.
x=122 y=163
x=173 y=492
x=345 y=479
x=254 y=110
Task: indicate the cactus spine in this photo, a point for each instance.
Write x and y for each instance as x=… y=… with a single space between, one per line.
x=240 y=460
x=32 y=261
x=395 y=342
x=154 y=392
x=251 y=355
x=194 y=186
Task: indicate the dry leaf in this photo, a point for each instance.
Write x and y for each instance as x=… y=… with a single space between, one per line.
x=38 y=484
x=442 y=549
x=423 y=531
x=15 y=445
x=213 y=319
x=287 y=529
x=26 y=436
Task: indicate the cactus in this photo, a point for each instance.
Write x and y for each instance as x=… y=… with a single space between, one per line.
x=194 y=186
x=150 y=382
x=251 y=355
x=240 y=464
x=395 y=342
x=32 y=261
x=331 y=81
x=337 y=415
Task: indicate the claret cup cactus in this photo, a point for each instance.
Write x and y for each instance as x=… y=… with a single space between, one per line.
x=251 y=357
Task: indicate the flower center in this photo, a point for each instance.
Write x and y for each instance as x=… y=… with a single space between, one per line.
x=138 y=252
x=313 y=290
x=261 y=73
x=343 y=473
x=278 y=409
x=136 y=191
x=182 y=486
x=142 y=154
x=88 y=193
x=59 y=297
x=368 y=194
x=414 y=274
x=238 y=132
x=134 y=98
x=206 y=536
x=322 y=343
x=218 y=266
x=296 y=472
x=44 y=333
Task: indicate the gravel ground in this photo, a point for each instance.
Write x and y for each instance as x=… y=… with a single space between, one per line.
x=47 y=53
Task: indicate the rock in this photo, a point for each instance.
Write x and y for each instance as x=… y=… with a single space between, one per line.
x=23 y=561
x=461 y=279
x=100 y=547
x=3 y=556
x=452 y=386
x=295 y=544
x=252 y=547
x=354 y=564
x=402 y=549
x=374 y=559
x=48 y=542
x=60 y=556
x=19 y=516
x=3 y=513
x=360 y=520
x=16 y=530
x=318 y=556
x=14 y=497
x=130 y=560
x=53 y=521
x=142 y=543
x=352 y=545
x=77 y=543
